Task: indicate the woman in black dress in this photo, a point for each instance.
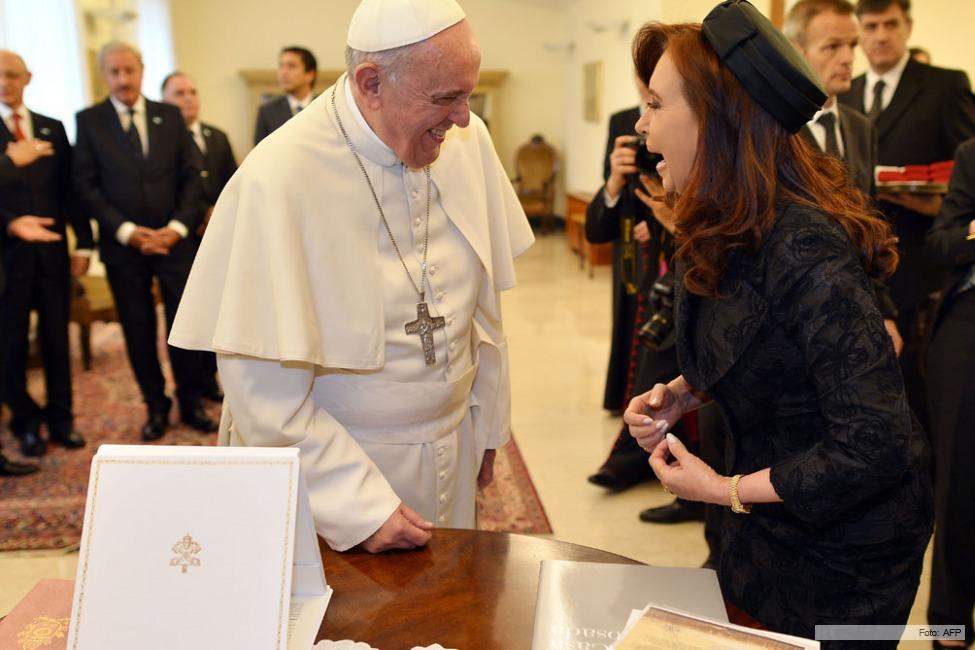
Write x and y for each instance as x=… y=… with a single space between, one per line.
x=778 y=324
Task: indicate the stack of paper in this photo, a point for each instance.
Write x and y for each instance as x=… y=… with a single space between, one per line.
x=662 y=628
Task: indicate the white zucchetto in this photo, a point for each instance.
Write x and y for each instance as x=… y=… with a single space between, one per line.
x=379 y=25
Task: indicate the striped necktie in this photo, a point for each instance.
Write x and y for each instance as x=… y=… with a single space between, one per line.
x=132 y=134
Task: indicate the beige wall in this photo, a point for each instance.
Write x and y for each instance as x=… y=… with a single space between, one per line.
x=943 y=28
x=528 y=38
x=586 y=141
x=217 y=38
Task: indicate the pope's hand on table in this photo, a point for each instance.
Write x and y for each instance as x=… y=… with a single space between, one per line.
x=404 y=529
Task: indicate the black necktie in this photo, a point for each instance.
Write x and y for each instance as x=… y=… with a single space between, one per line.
x=828 y=122
x=878 y=100
x=132 y=134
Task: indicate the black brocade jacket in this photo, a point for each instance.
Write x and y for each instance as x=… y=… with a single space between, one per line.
x=798 y=361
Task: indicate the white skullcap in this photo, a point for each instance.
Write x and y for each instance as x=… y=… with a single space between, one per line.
x=379 y=25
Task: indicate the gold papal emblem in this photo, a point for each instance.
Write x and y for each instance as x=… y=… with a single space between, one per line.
x=186 y=551
x=42 y=632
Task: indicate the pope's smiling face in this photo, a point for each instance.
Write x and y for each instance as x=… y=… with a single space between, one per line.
x=428 y=95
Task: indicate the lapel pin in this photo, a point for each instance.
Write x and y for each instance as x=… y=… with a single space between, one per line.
x=45 y=131
x=157 y=120
x=206 y=133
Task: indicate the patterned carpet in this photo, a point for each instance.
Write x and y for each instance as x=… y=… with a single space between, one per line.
x=46 y=510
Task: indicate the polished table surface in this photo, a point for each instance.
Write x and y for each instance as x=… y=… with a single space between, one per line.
x=471 y=590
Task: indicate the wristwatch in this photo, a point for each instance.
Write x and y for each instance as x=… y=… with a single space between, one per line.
x=736 y=505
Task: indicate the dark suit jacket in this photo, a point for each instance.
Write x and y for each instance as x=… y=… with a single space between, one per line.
x=860 y=156
x=271 y=115
x=219 y=163
x=931 y=113
x=44 y=189
x=859 y=146
x=946 y=241
x=116 y=185
x=797 y=359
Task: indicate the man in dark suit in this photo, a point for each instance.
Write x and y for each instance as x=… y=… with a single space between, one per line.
x=137 y=172
x=951 y=377
x=297 y=70
x=36 y=204
x=19 y=154
x=218 y=165
x=921 y=114
x=825 y=33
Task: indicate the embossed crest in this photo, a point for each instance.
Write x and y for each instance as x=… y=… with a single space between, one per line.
x=186 y=551
x=42 y=632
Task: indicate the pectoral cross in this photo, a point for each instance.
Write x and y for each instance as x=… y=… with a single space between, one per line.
x=424 y=327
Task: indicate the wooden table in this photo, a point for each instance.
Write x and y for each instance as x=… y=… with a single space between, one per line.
x=591 y=255
x=471 y=590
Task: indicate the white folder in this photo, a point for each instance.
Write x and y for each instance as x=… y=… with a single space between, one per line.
x=206 y=548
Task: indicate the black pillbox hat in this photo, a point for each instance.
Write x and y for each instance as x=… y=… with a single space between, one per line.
x=769 y=68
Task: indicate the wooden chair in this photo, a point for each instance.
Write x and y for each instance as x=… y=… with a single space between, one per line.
x=91 y=300
x=537 y=164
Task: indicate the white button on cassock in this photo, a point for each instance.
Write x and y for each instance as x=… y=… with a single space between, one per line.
x=443 y=498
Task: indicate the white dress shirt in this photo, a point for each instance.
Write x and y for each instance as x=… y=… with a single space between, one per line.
x=294 y=103
x=819 y=131
x=26 y=123
x=197 y=131
x=125 y=231
x=891 y=79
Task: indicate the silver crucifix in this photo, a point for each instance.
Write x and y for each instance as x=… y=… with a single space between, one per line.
x=425 y=326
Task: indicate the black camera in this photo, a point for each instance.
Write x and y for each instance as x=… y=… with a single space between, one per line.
x=656 y=333
x=646 y=162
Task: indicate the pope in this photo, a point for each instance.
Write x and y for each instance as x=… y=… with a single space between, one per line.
x=349 y=282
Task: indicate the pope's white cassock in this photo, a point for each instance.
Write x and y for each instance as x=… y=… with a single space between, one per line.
x=300 y=292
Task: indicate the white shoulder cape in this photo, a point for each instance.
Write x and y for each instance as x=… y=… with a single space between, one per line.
x=288 y=268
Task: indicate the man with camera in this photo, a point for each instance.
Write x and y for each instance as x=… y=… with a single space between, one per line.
x=630 y=212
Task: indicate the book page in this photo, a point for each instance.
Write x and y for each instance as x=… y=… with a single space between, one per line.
x=660 y=629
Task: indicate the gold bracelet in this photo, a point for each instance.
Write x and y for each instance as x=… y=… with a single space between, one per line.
x=736 y=505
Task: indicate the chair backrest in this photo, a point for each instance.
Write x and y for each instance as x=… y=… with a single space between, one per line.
x=536 y=163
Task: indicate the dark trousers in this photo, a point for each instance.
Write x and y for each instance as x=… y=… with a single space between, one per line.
x=951 y=383
x=131 y=284
x=36 y=279
x=911 y=323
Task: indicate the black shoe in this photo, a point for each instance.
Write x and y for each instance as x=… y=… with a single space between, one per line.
x=10 y=468
x=158 y=421
x=31 y=443
x=623 y=469
x=197 y=418
x=674 y=513
x=619 y=480
x=65 y=436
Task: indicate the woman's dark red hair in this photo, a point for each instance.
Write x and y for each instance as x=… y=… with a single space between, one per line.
x=745 y=164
